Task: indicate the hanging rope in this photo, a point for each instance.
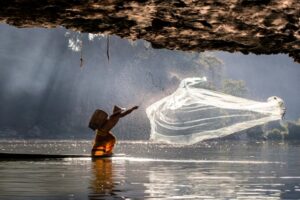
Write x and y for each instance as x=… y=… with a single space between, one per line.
x=107 y=48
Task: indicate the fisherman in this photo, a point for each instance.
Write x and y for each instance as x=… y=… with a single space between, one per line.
x=102 y=124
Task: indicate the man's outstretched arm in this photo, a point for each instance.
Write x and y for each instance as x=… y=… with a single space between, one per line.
x=129 y=111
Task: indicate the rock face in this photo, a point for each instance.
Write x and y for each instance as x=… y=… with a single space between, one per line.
x=247 y=26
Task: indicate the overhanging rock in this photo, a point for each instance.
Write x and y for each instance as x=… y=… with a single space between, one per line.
x=247 y=26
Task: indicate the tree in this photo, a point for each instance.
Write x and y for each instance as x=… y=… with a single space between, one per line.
x=234 y=87
x=213 y=67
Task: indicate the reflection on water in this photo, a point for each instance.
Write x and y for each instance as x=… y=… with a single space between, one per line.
x=101 y=181
x=262 y=171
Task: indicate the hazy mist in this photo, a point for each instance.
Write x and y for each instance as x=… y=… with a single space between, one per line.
x=46 y=94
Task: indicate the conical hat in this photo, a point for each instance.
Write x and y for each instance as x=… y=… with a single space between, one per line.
x=118 y=109
x=98 y=119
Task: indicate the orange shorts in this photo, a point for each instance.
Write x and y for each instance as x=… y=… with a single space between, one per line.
x=103 y=144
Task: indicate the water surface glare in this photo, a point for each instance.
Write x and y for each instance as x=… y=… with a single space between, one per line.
x=145 y=170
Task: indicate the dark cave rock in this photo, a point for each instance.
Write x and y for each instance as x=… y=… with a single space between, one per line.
x=247 y=26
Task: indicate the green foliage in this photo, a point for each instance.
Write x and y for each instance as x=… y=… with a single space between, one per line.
x=234 y=87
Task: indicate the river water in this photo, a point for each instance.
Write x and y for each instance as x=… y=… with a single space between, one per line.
x=147 y=170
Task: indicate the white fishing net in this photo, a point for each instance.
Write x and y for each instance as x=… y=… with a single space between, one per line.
x=192 y=114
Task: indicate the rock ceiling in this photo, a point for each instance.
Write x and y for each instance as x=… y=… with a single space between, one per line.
x=247 y=26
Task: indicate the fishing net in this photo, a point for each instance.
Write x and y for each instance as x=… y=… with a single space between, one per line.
x=193 y=114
